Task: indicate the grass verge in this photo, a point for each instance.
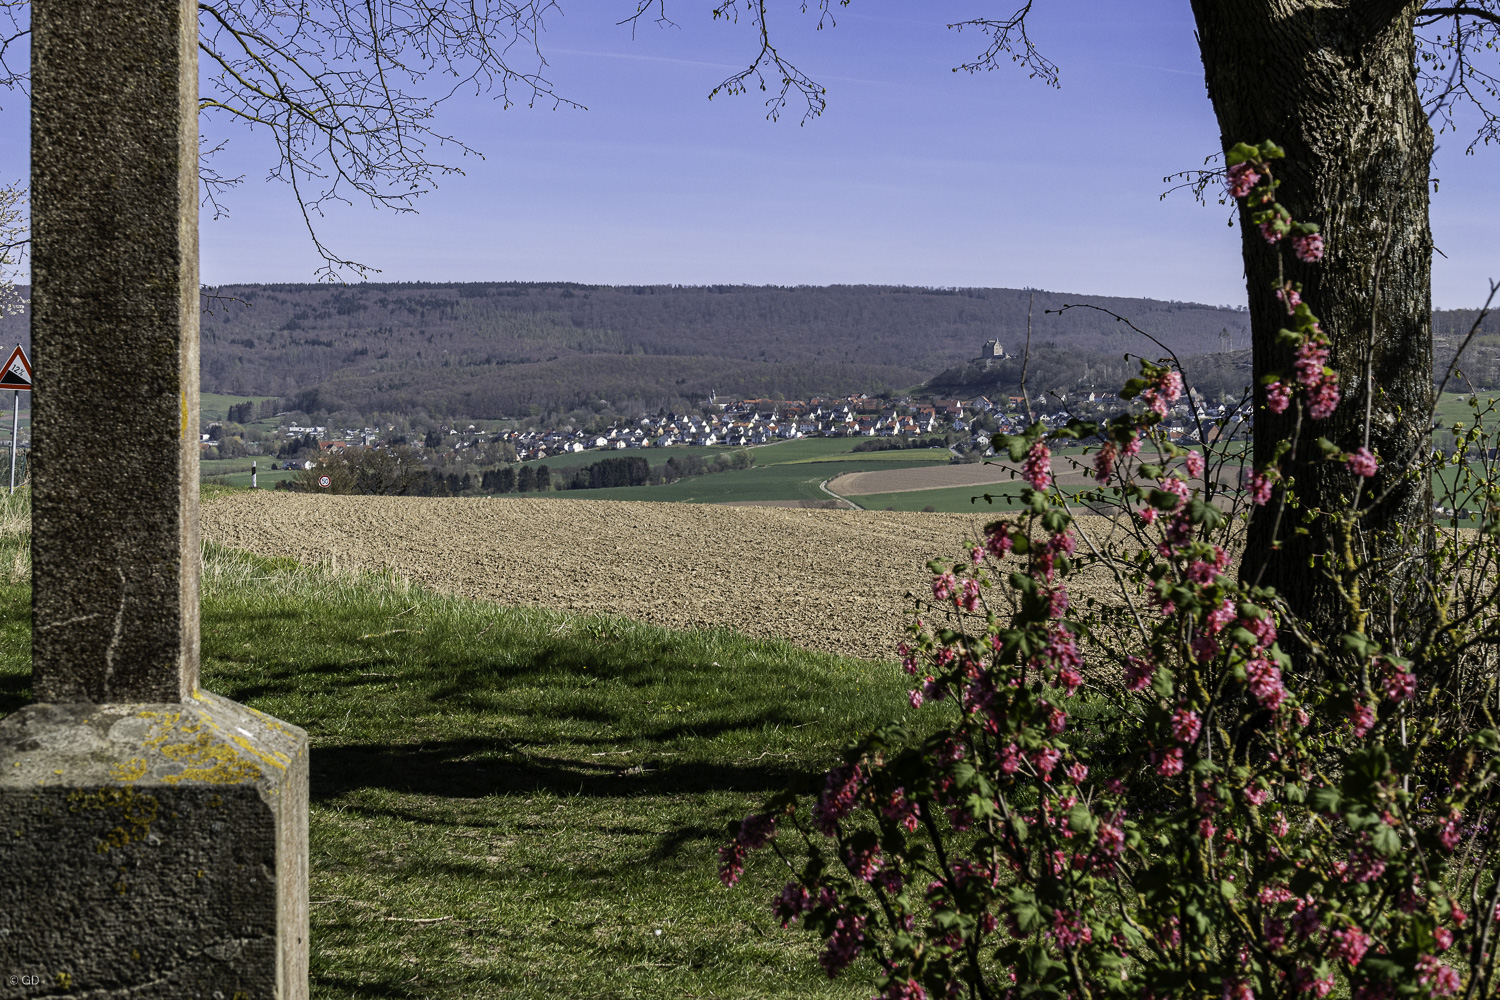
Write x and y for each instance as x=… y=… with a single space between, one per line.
x=512 y=802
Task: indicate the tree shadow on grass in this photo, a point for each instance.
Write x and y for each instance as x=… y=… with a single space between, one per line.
x=15 y=690
x=450 y=769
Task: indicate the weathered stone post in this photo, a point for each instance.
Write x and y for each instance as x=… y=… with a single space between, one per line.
x=153 y=837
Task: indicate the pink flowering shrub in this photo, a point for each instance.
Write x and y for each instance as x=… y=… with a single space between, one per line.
x=1251 y=841
x=1153 y=799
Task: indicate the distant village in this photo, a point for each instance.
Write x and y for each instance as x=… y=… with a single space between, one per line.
x=966 y=425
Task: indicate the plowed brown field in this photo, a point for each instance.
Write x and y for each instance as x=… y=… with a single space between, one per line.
x=833 y=580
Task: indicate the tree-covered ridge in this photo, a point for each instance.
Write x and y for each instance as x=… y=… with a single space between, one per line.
x=499 y=349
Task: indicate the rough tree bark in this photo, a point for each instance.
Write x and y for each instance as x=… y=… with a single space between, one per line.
x=1335 y=84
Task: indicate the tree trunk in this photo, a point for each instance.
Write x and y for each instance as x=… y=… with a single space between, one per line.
x=1335 y=84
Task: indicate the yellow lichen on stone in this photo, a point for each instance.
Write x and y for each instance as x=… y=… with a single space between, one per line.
x=206 y=759
x=134 y=770
x=137 y=813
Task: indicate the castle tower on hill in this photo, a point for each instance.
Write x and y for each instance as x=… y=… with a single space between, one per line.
x=991 y=350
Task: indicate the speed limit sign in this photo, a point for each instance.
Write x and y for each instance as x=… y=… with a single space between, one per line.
x=325 y=482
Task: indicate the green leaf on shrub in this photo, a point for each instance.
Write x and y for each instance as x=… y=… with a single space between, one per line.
x=1358 y=644
x=1164 y=683
x=1239 y=153
x=1228 y=889
x=1023 y=908
x=1325 y=799
x=1206 y=514
x=1081 y=819
x=1386 y=841
x=1163 y=500
x=1304 y=881
x=981 y=807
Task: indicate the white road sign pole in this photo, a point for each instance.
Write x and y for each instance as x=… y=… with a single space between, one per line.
x=15 y=375
x=15 y=427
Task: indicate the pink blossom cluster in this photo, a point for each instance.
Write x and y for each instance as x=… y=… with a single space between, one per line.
x=1163 y=393
x=1350 y=944
x=1069 y=929
x=1361 y=462
x=901 y=810
x=1168 y=762
x=1278 y=397
x=1399 y=683
x=1451 y=832
x=1290 y=296
x=1242 y=179
x=944 y=585
x=755 y=831
x=1138 y=672
x=1314 y=376
x=1263 y=675
x=1259 y=488
x=1309 y=248
x=865 y=862
x=1441 y=980
x=1037 y=469
x=844 y=944
x=903 y=989
x=840 y=794
x=997 y=539
x=1307 y=981
x=793 y=901
x=1185 y=725
x=1104 y=461
x=1010 y=770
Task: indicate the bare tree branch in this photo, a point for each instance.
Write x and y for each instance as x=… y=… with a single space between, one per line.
x=343 y=87
x=769 y=60
x=1008 y=37
x=1428 y=14
x=1456 y=62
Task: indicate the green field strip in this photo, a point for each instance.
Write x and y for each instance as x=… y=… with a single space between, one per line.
x=949 y=499
x=793 y=481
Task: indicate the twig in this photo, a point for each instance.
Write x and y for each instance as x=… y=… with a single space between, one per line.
x=417 y=920
x=1026 y=359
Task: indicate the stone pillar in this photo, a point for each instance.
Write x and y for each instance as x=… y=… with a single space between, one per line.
x=154 y=839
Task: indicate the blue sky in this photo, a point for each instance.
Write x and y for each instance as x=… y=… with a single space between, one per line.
x=914 y=175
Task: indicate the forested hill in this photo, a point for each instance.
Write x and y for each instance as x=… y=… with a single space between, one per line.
x=499 y=349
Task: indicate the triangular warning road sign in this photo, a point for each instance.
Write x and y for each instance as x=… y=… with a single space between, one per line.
x=17 y=373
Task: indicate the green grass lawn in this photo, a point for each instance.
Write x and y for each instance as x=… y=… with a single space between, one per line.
x=949 y=500
x=842 y=450
x=215 y=406
x=1454 y=407
x=787 y=470
x=793 y=481
x=266 y=479
x=527 y=803
x=656 y=456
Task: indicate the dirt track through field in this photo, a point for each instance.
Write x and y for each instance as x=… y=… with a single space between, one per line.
x=823 y=579
x=935 y=477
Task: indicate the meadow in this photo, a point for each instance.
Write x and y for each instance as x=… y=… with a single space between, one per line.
x=788 y=470
x=513 y=801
